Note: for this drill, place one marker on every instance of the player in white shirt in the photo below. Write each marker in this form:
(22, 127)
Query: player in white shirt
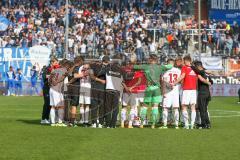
(85, 93)
(171, 94)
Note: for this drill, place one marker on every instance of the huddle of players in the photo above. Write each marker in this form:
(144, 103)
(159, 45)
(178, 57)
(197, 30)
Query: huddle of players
(14, 81)
(67, 85)
(97, 88)
(170, 85)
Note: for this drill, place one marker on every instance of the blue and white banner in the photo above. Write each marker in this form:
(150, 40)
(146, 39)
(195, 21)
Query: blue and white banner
(23, 58)
(4, 23)
(225, 10)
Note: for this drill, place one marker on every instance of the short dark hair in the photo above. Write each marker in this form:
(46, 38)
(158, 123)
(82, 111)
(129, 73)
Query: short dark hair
(178, 58)
(170, 59)
(78, 59)
(53, 59)
(198, 64)
(153, 56)
(63, 61)
(187, 58)
(106, 59)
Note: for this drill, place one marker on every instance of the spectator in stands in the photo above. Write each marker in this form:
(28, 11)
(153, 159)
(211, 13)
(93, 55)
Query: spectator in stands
(204, 41)
(139, 50)
(229, 45)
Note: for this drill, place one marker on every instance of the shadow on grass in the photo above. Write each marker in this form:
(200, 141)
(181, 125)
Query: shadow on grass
(30, 121)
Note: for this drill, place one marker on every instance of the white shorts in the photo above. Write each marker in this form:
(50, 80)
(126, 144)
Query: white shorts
(140, 98)
(180, 94)
(171, 99)
(133, 99)
(85, 98)
(56, 98)
(189, 97)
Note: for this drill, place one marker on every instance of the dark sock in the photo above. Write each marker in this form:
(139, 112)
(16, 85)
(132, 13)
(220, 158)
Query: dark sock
(73, 120)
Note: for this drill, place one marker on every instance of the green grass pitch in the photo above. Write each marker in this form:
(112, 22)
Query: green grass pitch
(23, 138)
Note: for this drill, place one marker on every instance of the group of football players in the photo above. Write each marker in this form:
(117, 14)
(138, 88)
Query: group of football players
(175, 92)
(14, 81)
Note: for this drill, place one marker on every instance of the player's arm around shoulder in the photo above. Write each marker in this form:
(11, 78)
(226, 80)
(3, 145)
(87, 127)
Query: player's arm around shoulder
(77, 73)
(180, 79)
(51, 79)
(204, 80)
(164, 68)
(140, 67)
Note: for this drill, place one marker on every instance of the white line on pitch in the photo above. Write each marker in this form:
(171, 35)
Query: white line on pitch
(229, 116)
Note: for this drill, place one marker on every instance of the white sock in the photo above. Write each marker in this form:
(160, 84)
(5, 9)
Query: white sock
(52, 115)
(165, 117)
(86, 114)
(193, 117)
(132, 114)
(185, 118)
(136, 111)
(176, 117)
(123, 115)
(169, 115)
(60, 115)
(82, 114)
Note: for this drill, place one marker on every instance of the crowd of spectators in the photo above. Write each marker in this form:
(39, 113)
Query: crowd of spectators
(103, 27)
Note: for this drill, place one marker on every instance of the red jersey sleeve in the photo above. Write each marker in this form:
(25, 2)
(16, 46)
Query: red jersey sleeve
(184, 70)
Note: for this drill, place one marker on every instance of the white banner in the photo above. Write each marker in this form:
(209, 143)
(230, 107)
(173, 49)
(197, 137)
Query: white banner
(212, 63)
(39, 55)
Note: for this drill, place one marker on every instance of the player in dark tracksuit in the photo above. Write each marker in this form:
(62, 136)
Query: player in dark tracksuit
(74, 88)
(204, 95)
(98, 93)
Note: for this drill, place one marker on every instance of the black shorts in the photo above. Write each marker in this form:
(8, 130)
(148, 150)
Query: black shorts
(74, 100)
(73, 94)
(97, 96)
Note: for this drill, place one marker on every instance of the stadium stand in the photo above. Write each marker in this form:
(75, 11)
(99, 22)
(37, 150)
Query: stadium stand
(100, 27)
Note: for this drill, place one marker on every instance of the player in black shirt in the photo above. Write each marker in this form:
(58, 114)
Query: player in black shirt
(204, 95)
(98, 92)
(74, 87)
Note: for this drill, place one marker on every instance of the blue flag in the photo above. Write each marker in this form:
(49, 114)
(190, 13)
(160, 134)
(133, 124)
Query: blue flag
(4, 23)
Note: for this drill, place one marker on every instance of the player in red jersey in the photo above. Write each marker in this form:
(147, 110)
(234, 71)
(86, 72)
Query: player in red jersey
(135, 82)
(189, 86)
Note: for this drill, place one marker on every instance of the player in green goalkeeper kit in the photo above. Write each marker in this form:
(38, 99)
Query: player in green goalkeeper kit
(152, 96)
